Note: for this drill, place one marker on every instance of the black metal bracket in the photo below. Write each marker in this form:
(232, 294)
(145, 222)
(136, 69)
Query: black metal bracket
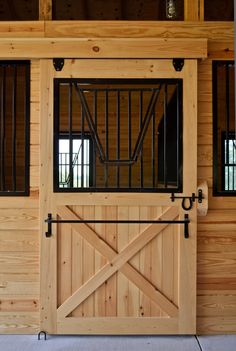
(178, 64)
(50, 220)
(58, 63)
(190, 199)
(43, 333)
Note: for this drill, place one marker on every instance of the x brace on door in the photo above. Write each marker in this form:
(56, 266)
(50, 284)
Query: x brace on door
(117, 261)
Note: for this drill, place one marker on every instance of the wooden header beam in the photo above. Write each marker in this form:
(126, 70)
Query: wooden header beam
(103, 48)
(118, 29)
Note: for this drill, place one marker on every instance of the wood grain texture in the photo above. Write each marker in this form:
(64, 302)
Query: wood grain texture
(21, 29)
(137, 29)
(19, 323)
(191, 10)
(103, 48)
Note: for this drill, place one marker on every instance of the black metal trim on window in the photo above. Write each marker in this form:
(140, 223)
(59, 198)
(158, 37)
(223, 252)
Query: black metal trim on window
(14, 191)
(101, 152)
(218, 148)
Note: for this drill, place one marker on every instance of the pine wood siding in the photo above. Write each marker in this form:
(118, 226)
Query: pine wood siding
(19, 240)
(19, 224)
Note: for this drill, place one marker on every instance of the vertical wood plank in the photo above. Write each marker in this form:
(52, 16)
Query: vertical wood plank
(145, 265)
(168, 262)
(187, 281)
(100, 261)
(88, 265)
(191, 10)
(134, 295)
(48, 247)
(45, 10)
(122, 282)
(64, 262)
(77, 262)
(201, 10)
(156, 263)
(111, 284)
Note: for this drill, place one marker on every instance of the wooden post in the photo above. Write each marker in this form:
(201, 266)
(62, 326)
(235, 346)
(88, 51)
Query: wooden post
(191, 10)
(45, 10)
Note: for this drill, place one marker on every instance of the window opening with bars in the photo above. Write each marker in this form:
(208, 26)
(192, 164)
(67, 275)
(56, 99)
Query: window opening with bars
(118, 135)
(14, 127)
(224, 129)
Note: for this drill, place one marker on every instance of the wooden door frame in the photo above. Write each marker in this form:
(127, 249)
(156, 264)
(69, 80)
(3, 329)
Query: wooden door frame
(117, 68)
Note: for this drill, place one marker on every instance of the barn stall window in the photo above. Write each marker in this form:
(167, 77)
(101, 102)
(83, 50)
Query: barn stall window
(224, 129)
(118, 135)
(14, 127)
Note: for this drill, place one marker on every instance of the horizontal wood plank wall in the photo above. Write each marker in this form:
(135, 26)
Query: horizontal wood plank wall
(19, 249)
(216, 300)
(19, 241)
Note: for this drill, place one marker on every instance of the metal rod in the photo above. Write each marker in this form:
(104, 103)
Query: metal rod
(153, 148)
(14, 128)
(95, 101)
(90, 121)
(177, 137)
(70, 137)
(82, 147)
(227, 112)
(132, 221)
(3, 108)
(129, 137)
(107, 137)
(165, 137)
(140, 127)
(145, 124)
(118, 138)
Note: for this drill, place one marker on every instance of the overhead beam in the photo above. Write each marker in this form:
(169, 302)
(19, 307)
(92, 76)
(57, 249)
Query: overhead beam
(118, 29)
(102, 48)
(139, 29)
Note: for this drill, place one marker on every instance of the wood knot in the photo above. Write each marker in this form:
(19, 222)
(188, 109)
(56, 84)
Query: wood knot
(96, 48)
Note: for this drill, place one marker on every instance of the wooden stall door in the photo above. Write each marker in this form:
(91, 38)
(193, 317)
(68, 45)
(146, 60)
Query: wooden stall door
(113, 278)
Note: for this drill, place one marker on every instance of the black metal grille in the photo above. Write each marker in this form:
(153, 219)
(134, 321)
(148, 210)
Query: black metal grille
(129, 132)
(14, 127)
(224, 128)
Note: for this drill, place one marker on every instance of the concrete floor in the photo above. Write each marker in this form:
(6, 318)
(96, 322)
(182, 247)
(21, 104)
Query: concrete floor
(117, 343)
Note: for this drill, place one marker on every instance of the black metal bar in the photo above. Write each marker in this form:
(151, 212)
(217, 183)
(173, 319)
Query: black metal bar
(227, 112)
(177, 137)
(153, 149)
(145, 123)
(82, 146)
(90, 121)
(140, 127)
(129, 137)
(101, 221)
(70, 136)
(165, 137)
(14, 128)
(187, 221)
(3, 110)
(95, 106)
(107, 137)
(50, 221)
(118, 138)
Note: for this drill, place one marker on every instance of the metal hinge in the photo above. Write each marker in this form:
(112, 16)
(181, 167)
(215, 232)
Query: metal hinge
(58, 63)
(178, 64)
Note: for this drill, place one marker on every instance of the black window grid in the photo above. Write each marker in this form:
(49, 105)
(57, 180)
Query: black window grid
(224, 130)
(10, 172)
(100, 151)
